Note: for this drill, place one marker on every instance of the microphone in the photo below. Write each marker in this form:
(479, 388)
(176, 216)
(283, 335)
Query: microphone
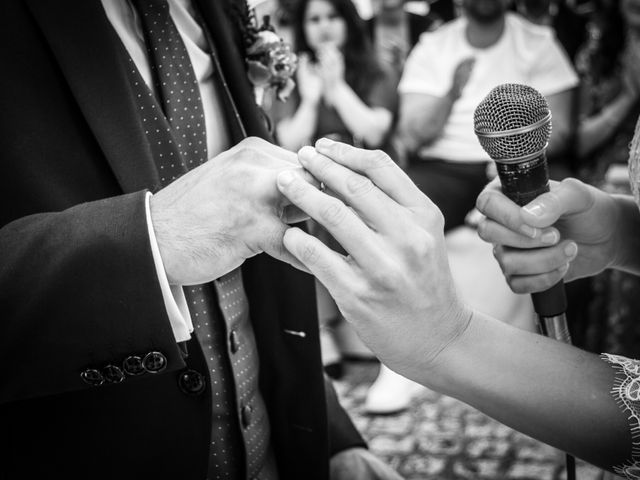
(513, 125)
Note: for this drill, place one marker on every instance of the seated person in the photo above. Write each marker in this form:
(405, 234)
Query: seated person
(446, 76)
(342, 90)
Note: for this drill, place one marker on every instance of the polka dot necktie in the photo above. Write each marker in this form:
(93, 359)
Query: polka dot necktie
(175, 128)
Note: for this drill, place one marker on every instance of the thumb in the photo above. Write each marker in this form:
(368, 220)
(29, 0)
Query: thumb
(568, 197)
(272, 244)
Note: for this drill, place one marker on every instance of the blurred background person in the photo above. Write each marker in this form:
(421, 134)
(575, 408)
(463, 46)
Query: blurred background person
(343, 91)
(567, 20)
(449, 72)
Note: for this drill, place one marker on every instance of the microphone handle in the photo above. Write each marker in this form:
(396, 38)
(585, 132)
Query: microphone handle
(522, 181)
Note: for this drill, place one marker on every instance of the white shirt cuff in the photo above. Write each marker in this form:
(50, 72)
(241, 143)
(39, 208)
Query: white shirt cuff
(174, 300)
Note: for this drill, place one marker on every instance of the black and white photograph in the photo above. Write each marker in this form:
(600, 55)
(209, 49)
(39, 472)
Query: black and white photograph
(320, 239)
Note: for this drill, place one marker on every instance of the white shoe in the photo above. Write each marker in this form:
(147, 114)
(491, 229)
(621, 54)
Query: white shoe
(390, 393)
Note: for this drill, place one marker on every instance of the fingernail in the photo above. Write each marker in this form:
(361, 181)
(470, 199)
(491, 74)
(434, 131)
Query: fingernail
(528, 230)
(563, 269)
(549, 238)
(324, 143)
(535, 209)
(286, 177)
(571, 250)
(305, 153)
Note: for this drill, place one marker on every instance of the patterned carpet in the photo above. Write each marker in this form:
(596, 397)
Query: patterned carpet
(441, 438)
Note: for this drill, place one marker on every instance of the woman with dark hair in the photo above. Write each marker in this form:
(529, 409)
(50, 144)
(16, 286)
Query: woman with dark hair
(343, 91)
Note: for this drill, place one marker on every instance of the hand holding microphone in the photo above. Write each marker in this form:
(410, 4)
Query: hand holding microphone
(513, 125)
(569, 232)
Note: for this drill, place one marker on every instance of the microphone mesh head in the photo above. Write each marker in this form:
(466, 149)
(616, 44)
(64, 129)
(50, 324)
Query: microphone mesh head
(508, 107)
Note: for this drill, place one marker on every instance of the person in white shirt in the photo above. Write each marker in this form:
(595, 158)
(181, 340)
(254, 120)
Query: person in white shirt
(446, 76)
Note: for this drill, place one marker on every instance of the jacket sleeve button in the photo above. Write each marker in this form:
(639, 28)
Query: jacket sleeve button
(191, 382)
(113, 374)
(132, 365)
(92, 377)
(154, 362)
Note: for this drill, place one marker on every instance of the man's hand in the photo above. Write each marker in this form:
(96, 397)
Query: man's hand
(567, 233)
(360, 464)
(394, 286)
(217, 215)
(461, 76)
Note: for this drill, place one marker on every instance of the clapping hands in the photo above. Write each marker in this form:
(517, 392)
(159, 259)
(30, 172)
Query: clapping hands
(331, 69)
(309, 80)
(319, 80)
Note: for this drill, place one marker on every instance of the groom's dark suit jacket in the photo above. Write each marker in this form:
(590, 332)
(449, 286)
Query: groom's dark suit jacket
(78, 288)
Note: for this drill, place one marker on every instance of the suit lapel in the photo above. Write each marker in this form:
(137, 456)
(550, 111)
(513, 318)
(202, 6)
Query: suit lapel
(90, 56)
(231, 59)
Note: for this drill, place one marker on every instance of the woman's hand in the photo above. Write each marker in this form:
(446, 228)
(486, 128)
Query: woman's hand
(569, 232)
(394, 285)
(309, 80)
(331, 67)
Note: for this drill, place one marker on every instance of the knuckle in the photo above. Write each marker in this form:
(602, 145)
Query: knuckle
(309, 254)
(498, 255)
(333, 213)
(557, 260)
(358, 185)
(421, 252)
(246, 152)
(338, 149)
(387, 278)
(324, 166)
(571, 182)
(297, 189)
(295, 192)
(273, 239)
(508, 269)
(579, 190)
(435, 219)
(483, 200)
(541, 283)
(378, 159)
(517, 286)
(252, 142)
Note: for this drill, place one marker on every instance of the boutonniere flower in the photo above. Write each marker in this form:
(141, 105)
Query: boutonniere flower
(270, 61)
